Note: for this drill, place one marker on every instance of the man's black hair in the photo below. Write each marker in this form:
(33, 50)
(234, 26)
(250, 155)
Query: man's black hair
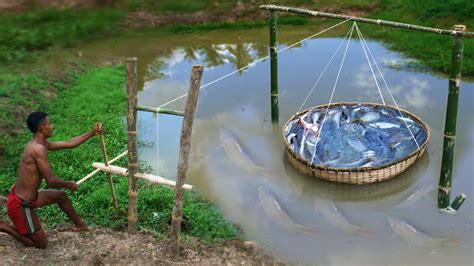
(34, 120)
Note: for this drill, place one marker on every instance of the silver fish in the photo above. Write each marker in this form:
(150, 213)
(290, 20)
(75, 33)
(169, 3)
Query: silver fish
(331, 214)
(384, 125)
(410, 235)
(273, 210)
(356, 144)
(337, 118)
(237, 156)
(416, 196)
(406, 119)
(370, 116)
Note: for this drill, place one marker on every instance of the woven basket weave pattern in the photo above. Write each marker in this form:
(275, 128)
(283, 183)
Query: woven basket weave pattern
(359, 175)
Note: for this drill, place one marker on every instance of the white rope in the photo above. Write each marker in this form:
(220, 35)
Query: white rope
(386, 85)
(370, 65)
(256, 61)
(323, 72)
(332, 93)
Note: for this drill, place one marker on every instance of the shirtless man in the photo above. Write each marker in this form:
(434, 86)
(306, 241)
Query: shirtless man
(25, 197)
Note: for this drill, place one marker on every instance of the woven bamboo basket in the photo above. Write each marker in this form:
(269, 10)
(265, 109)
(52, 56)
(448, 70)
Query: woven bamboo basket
(358, 175)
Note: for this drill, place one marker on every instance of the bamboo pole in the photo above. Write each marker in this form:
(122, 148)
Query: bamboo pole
(444, 188)
(159, 110)
(458, 201)
(274, 67)
(93, 173)
(307, 12)
(120, 171)
(106, 162)
(185, 145)
(131, 74)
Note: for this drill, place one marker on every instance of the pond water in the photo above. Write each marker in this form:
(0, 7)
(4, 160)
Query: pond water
(352, 222)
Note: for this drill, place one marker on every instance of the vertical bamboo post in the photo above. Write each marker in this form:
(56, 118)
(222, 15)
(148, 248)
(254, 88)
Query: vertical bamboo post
(106, 162)
(185, 144)
(131, 72)
(274, 67)
(444, 188)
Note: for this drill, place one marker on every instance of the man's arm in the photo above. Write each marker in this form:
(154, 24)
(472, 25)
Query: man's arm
(41, 158)
(76, 141)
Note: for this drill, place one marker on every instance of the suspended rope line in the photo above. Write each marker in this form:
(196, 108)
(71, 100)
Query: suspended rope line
(370, 65)
(255, 62)
(364, 43)
(324, 71)
(332, 93)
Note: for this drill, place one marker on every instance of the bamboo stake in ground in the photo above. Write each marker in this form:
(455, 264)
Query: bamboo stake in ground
(131, 74)
(106, 162)
(274, 67)
(444, 189)
(185, 145)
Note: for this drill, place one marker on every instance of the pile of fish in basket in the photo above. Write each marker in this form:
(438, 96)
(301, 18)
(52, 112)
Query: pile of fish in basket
(357, 143)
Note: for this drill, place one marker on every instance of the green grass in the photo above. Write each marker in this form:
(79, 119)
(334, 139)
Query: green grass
(99, 95)
(433, 50)
(286, 20)
(22, 35)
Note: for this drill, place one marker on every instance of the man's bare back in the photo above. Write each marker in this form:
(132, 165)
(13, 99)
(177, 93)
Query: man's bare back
(25, 197)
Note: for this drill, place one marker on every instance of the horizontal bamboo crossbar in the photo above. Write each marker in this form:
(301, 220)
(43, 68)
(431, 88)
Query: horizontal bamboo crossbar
(307, 12)
(149, 177)
(93, 173)
(159, 110)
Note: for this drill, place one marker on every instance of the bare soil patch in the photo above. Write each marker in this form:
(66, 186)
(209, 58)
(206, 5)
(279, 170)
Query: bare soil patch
(106, 246)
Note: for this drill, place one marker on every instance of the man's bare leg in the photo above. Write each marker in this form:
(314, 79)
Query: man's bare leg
(6, 228)
(50, 196)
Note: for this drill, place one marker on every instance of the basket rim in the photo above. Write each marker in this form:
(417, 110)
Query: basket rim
(314, 166)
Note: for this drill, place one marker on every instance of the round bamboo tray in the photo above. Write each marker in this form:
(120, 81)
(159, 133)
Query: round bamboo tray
(357, 175)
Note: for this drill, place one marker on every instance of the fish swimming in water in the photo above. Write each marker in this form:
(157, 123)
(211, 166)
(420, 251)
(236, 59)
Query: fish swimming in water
(414, 237)
(236, 155)
(328, 209)
(272, 209)
(422, 191)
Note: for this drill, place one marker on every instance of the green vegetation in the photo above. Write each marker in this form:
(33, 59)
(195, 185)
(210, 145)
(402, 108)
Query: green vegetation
(433, 50)
(99, 95)
(26, 33)
(286, 20)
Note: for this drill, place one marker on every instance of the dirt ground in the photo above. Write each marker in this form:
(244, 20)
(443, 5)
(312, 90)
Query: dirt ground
(101, 246)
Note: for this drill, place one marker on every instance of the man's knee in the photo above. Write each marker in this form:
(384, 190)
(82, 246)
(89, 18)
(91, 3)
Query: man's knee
(39, 239)
(62, 197)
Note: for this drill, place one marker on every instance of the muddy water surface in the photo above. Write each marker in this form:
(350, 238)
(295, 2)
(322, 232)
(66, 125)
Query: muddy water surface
(351, 221)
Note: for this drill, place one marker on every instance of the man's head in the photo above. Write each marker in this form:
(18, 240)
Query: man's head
(39, 122)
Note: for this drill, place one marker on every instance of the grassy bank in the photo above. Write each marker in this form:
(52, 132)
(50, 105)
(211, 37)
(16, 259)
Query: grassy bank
(99, 95)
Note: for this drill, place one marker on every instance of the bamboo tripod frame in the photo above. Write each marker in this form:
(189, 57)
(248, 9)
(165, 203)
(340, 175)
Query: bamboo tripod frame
(458, 33)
